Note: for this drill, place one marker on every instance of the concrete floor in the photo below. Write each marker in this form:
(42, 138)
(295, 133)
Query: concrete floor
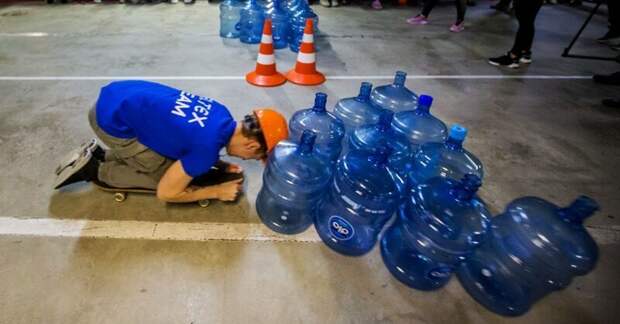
(550, 138)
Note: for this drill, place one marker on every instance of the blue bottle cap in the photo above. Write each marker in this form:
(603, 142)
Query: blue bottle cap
(425, 101)
(458, 132)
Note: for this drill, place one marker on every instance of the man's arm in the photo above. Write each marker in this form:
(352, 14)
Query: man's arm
(174, 187)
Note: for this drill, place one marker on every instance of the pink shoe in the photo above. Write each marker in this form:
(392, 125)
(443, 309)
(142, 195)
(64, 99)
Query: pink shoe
(457, 28)
(376, 4)
(417, 20)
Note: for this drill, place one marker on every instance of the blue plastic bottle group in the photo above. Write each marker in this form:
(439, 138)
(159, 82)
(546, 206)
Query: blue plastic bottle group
(506, 263)
(533, 249)
(357, 111)
(251, 23)
(293, 183)
(298, 24)
(280, 23)
(372, 137)
(448, 159)
(328, 128)
(363, 196)
(395, 97)
(439, 225)
(419, 126)
(230, 16)
(244, 20)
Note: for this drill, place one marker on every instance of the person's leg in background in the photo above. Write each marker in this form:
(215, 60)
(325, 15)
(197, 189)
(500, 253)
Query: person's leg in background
(502, 5)
(461, 8)
(422, 18)
(612, 37)
(526, 12)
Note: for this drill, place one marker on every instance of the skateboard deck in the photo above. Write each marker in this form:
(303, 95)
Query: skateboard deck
(120, 194)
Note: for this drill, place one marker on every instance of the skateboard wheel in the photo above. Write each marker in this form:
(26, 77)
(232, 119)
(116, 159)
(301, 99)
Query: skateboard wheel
(204, 203)
(120, 196)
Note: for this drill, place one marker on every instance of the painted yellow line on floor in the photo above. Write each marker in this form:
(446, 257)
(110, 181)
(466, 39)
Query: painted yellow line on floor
(332, 77)
(162, 231)
(144, 230)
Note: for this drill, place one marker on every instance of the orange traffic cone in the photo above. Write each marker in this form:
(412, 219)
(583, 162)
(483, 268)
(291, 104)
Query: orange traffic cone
(305, 72)
(265, 74)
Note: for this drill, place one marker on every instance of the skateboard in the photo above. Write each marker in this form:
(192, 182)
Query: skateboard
(120, 194)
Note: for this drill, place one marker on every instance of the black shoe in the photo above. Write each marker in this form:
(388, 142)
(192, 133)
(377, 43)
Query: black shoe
(99, 153)
(610, 36)
(609, 79)
(85, 168)
(505, 61)
(611, 102)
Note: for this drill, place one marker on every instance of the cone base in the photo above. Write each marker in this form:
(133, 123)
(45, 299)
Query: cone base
(305, 79)
(273, 80)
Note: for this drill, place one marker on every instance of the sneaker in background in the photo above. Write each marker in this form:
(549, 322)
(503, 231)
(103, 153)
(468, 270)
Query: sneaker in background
(526, 58)
(418, 20)
(457, 27)
(505, 61)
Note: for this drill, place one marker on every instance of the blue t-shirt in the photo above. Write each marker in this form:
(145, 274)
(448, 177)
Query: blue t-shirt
(171, 122)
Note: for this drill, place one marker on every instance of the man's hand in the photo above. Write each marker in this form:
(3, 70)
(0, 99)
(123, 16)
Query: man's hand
(175, 186)
(228, 191)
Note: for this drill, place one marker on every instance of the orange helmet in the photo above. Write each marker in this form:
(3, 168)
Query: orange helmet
(273, 126)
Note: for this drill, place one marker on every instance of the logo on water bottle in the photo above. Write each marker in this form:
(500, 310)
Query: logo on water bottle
(341, 228)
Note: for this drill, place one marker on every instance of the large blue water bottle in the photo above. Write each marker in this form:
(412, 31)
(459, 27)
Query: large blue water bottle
(267, 5)
(290, 6)
(230, 15)
(298, 24)
(328, 128)
(363, 196)
(395, 96)
(448, 159)
(280, 23)
(419, 126)
(439, 225)
(533, 249)
(372, 137)
(251, 24)
(293, 183)
(357, 111)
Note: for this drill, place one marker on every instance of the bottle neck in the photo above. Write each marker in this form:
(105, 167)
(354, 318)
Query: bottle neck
(423, 110)
(320, 101)
(364, 95)
(399, 79)
(454, 144)
(306, 143)
(467, 188)
(582, 208)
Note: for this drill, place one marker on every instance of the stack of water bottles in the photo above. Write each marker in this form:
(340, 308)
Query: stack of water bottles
(382, 168)
(244, 19)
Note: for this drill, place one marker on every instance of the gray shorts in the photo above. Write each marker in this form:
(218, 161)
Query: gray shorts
(128, 163)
